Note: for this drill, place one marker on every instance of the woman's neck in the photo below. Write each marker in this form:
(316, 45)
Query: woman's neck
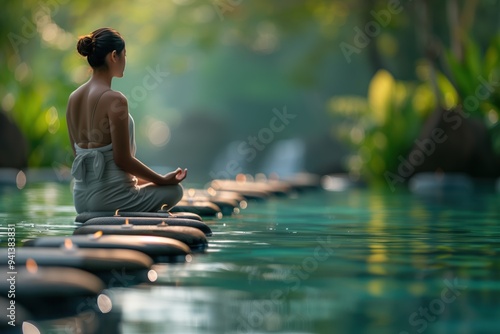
(102, 76)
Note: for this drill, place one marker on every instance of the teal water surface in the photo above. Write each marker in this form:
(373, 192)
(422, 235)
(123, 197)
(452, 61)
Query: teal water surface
(357, 261)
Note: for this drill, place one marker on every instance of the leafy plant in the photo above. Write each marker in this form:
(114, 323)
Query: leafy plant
(382, 126)
(476, 79)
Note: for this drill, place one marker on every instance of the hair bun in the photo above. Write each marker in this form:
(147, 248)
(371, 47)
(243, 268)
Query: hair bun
(85, 46)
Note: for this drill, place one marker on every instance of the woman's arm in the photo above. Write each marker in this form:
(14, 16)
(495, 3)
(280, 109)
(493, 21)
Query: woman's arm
(119, 127)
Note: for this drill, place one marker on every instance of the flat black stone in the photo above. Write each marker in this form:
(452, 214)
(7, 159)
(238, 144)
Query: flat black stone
(193, 237)
(51, 292)
(119, 220)
(202, 208)
(84, 216)
(160, 249)
(116, 267)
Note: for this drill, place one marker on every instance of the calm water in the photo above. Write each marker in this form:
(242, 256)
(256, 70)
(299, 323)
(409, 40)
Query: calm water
(359, 261)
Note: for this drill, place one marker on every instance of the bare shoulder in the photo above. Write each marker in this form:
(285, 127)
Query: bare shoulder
(117, 102)
(74, 94)
(74, 98)
(77, 96)
(114, 96)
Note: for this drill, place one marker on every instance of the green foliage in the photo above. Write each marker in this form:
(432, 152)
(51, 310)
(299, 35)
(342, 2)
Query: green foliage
(470, 73)
(476, 78)
(240, 57)
(382, 126)
(42, 66)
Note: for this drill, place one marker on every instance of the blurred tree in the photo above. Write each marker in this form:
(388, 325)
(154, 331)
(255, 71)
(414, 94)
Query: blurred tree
(234, 59)
(451, 71)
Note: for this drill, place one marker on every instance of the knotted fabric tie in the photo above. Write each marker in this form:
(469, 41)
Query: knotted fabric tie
(78, 169)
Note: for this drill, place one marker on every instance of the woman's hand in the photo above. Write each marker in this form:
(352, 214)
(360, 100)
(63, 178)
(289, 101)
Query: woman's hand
(175, 177)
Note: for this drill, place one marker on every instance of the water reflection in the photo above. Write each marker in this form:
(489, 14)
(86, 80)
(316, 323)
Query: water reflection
(357, 261)
(36, 210)
(209, 310)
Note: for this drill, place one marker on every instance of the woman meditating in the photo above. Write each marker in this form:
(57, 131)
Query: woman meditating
(107, 174)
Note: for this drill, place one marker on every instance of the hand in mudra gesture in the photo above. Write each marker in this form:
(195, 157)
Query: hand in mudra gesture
(176, 176)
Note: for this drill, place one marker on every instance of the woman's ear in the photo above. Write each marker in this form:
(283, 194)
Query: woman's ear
(114, 56)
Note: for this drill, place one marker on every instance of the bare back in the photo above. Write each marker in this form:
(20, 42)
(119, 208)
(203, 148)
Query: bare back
(87, 116)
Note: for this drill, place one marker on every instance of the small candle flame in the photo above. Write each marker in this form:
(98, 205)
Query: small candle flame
(31, 266)
(241, 178)
(97, 235)
(211, 191)
(191, 192)
(260, 177)
(68, 244)
(116, 212)
(127, 224)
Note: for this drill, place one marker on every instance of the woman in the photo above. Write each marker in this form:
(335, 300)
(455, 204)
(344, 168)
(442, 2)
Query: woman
(107, 174)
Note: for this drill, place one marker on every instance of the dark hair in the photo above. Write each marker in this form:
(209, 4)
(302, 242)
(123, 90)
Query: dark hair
(98, 44)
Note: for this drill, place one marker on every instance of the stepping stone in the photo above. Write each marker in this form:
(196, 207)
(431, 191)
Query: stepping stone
(47, 292)
(440, 183)
(226, 206)
(116, 267)
(12, 315)
(118, 220)
(160, 249)
(203, 208)
(272, 186)
(246, 189)
(193, 237)
(84, 216)
(228, 202)
(304, 181)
